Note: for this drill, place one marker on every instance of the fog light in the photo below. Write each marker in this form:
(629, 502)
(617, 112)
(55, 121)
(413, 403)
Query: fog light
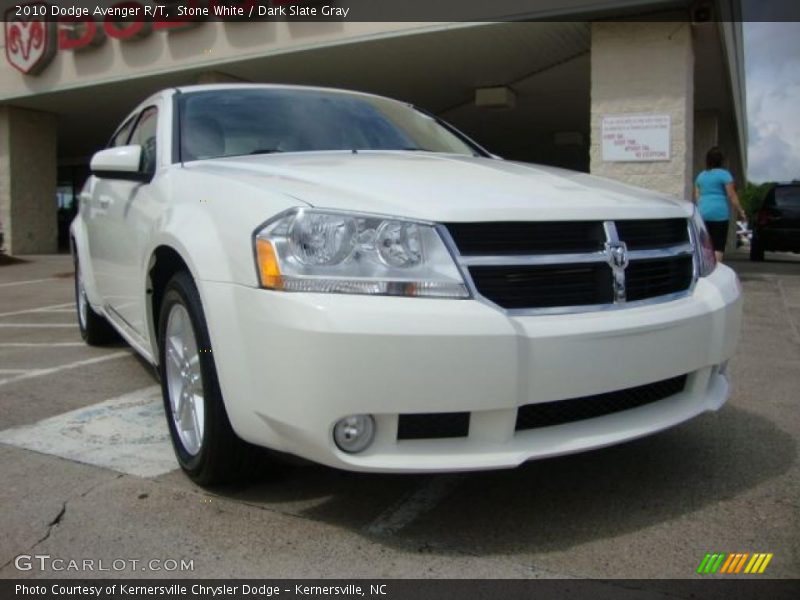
(355, 433)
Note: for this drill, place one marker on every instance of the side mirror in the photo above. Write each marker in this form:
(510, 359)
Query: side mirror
(122, 162)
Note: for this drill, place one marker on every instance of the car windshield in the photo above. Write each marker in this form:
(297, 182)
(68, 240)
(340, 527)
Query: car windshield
(235, 122)
(787, 197)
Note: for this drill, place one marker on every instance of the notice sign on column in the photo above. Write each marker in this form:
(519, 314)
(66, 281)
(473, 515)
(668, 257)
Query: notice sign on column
(636, 138)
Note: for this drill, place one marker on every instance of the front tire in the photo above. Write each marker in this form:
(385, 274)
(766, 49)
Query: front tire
(94, 328)
(756, 250)
(206, 447)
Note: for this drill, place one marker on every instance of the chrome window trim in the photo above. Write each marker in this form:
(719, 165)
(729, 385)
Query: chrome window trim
(464, 262)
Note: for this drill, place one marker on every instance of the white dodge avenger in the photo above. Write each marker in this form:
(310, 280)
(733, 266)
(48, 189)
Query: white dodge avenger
(348, 279)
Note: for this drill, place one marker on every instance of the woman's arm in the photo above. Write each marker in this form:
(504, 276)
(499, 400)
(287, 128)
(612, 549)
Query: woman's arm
(696, 194)
(733, 197)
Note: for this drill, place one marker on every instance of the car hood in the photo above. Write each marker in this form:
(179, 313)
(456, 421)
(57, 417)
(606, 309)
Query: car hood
(442, 187)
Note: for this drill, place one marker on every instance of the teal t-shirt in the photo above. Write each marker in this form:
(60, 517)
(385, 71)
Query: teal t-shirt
(713, 198)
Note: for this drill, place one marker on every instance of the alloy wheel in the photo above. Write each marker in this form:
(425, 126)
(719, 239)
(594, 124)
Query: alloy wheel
(184, 380)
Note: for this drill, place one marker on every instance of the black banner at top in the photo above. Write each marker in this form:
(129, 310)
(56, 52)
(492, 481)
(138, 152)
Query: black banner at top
(179, 11)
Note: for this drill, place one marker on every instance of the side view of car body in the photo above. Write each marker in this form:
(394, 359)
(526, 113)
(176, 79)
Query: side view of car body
(777, 227)
(342, 277)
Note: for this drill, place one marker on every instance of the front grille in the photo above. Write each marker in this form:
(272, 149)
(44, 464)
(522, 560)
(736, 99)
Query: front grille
(524, 237)
(653, 233)
(566, 265)
(542, 286)
(433, 425)
(547, 414)
(651, 278)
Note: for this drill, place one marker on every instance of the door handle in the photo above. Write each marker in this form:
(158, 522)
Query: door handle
(104, 202)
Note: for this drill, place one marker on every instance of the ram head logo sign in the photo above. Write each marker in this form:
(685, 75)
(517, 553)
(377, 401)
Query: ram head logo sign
(30, 40)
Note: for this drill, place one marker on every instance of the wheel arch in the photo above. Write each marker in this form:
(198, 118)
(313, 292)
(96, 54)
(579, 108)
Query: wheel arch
(79, 248)
(165, 261)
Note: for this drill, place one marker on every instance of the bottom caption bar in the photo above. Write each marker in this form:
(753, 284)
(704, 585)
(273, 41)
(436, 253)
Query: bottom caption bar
(417, 589)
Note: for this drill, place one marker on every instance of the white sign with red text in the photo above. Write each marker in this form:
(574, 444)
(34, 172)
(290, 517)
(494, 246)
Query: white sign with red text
(636, 138)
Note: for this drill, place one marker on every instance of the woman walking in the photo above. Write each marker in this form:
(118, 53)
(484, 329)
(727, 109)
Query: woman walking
(715, 193)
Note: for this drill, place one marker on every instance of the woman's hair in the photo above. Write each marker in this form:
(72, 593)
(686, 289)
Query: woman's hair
(714, 158)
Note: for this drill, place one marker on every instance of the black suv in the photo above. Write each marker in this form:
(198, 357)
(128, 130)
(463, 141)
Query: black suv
(777, 226)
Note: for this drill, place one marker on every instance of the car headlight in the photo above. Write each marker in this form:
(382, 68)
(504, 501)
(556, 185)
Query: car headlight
(706, 259)
(311, 250)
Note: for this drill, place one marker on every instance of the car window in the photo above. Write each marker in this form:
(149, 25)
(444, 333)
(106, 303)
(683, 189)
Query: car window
(120, 138)
(236, 122)
(145, 135)
(787, 197)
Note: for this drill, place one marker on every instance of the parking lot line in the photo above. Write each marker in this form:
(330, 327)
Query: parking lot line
(36, 325)
(74, 365)
(41, 344)
(788, 311)
(414, 504)
(127, 434)
(43, 309)
(29, 281)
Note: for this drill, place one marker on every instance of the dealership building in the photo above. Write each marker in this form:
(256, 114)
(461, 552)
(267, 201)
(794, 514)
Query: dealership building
(636, 92)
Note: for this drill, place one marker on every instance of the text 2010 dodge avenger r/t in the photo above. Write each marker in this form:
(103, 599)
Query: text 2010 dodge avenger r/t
(345, 278)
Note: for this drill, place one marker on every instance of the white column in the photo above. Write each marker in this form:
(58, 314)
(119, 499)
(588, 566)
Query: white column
(28, 180)
(706, 135)
(645, 68)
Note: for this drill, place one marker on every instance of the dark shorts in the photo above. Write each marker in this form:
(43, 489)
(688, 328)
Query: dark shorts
(718, 230)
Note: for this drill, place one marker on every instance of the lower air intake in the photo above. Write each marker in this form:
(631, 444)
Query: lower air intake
(547, 414)
(433, 425)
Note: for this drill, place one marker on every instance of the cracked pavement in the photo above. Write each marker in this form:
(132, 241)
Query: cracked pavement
(727, 481)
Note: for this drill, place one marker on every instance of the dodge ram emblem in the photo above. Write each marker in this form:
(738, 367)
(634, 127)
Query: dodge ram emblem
(30, 38)
(617, 255)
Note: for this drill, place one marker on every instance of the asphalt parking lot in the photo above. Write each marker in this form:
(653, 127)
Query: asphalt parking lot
(88, 473)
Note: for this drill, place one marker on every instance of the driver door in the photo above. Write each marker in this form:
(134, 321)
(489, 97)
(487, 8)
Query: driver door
(132, 218)
(102, 233)
(124, 204)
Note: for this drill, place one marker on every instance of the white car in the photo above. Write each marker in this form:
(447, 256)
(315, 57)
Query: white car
(344, 278)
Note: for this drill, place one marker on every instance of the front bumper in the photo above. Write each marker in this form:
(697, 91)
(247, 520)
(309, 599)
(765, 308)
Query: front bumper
(291, 365)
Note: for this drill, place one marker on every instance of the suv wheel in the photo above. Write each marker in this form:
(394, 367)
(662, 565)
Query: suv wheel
(205, 444)
(756, 250)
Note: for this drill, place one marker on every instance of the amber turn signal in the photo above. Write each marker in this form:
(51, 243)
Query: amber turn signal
(268, 268)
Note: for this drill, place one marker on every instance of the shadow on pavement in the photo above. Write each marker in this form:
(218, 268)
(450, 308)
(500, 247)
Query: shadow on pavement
(550, 504)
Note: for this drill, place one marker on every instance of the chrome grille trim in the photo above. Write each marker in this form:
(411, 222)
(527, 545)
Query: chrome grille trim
(559, 259)
(534, 259)
(618, 285)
